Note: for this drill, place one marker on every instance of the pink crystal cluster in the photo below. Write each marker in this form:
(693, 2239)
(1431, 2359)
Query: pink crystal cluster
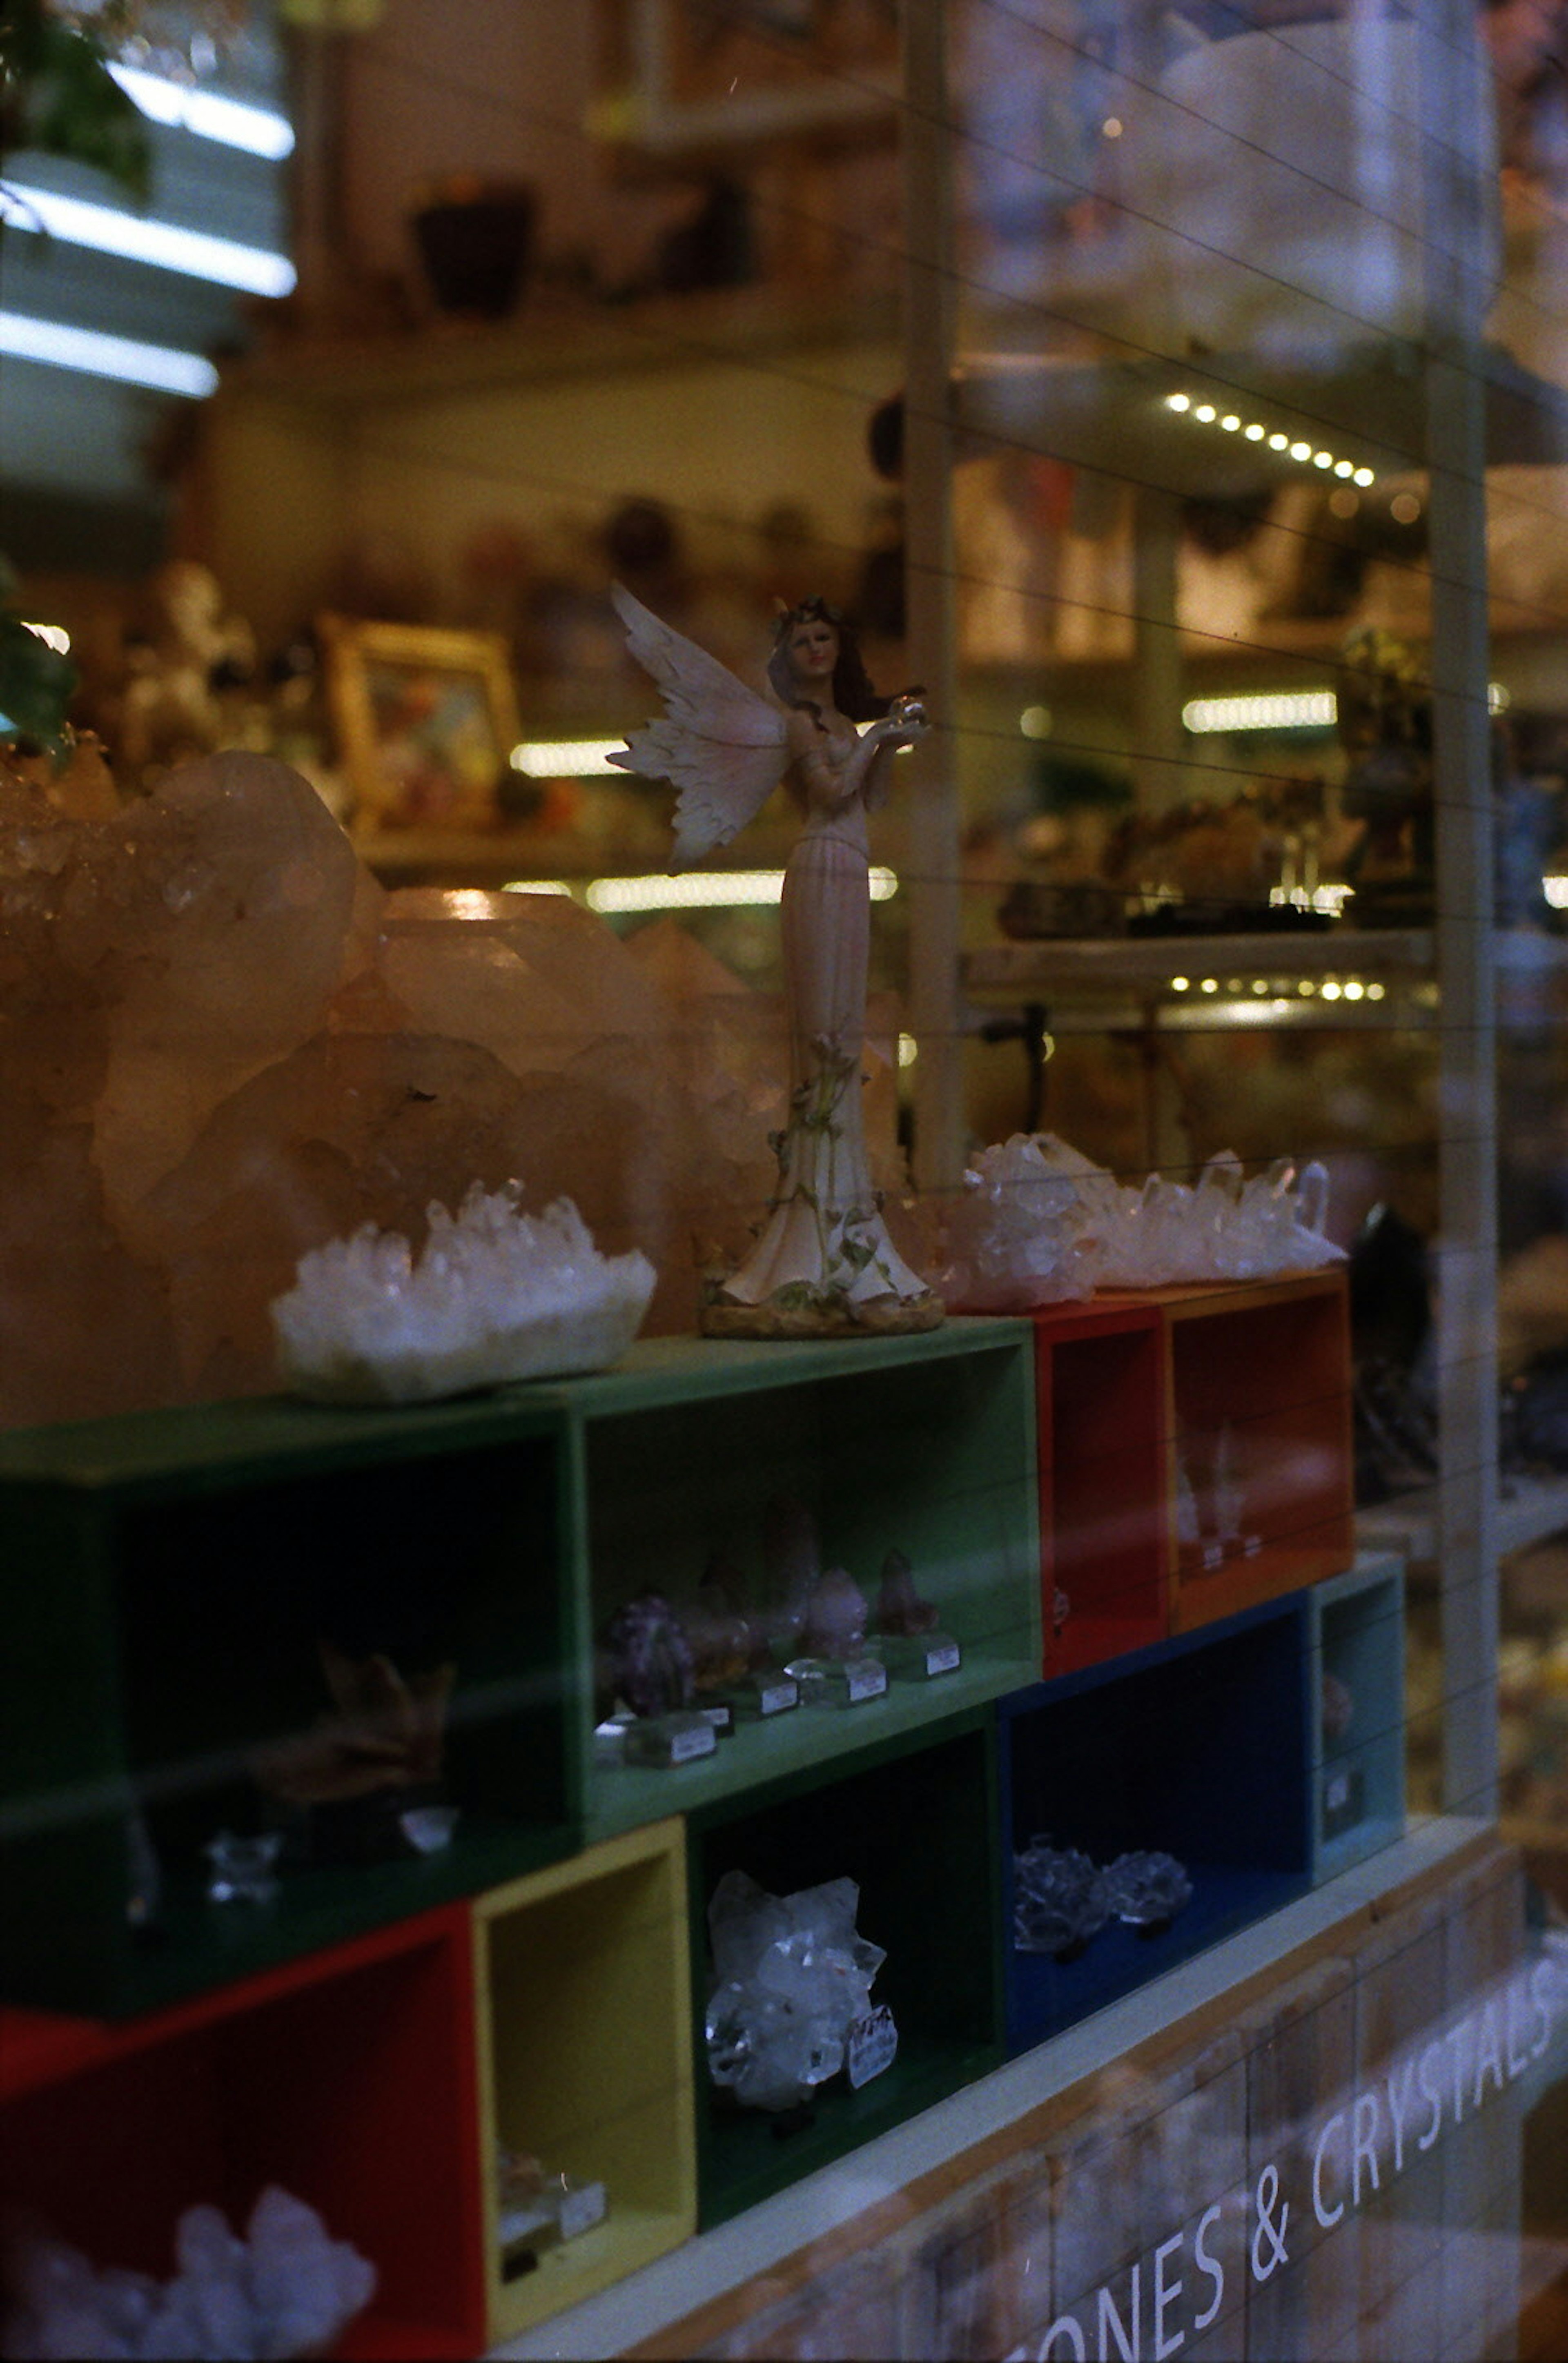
(226, 1044)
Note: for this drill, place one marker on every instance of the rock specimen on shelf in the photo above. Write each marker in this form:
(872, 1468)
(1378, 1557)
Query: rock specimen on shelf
(1018, 1237)
(1038, 1223)
(900, 1611)
(725, 1643)
(1059, 1899)
(791, 1977)
(1147, 1891)
(494, 1295)
(836, 1616)
(645, 1659)
(792, 1563)
(285, 2289)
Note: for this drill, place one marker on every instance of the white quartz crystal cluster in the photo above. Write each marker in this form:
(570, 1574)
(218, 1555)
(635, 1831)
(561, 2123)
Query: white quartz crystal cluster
(1038, 1223)
(791, 1977)
(494, 1295)
(285, 2289)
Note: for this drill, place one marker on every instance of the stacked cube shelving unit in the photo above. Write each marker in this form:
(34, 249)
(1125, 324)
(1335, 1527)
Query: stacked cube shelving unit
(171, 1577)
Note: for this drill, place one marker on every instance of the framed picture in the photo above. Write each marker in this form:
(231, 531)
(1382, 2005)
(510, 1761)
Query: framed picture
(679, 75)
(426, 720)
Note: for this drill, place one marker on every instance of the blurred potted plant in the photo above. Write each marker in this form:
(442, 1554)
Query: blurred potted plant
(57, 94)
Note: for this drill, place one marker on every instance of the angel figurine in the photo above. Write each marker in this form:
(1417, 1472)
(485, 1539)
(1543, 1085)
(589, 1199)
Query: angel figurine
(823, 1264)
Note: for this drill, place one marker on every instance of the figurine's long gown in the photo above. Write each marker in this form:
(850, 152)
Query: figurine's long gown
(824, 1231)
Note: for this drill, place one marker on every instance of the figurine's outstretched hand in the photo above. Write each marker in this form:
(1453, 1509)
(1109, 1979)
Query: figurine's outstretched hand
(905, 723)
(721, 745)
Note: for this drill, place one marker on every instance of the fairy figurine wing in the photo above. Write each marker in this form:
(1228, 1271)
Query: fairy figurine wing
(721, 747)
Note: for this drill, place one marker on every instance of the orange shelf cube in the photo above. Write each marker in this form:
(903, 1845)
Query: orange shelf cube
(1258, 1396)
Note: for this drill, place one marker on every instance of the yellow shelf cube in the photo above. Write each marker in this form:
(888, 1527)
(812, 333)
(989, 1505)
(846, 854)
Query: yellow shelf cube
(582, 2018)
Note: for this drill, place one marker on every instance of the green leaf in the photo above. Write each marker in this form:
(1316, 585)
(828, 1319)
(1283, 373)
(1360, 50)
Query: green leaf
(36, 688)
(57, 95)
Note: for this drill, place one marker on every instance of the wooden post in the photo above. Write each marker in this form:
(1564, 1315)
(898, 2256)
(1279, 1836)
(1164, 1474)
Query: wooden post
(933, 834)
(1467, 1244)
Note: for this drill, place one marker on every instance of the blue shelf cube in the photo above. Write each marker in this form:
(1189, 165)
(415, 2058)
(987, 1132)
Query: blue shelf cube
(1197, 1746)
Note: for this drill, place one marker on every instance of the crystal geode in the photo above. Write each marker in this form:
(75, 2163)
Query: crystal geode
(496, 1295)
(791, 1977)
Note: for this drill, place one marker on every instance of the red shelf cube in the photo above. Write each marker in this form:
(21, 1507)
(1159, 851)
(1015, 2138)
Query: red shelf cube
(348, 2078)
(1105, 1519)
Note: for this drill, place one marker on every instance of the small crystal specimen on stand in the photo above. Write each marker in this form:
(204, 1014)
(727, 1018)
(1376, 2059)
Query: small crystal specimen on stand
(535, 2209)
(909, 1634)
(1337, 1707)
(899, 1608)
(791, 1562)
(834, 1668)
(362, 1783)
(791, 1980)
(646, 1658)
(244, 1870)
(1059, 1901)
(836, 1617)
(724, 1644)
(496, 1295)
(283, 2289)
(1147, 1891)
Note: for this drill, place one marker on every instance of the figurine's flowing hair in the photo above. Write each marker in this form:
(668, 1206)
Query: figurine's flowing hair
(853, 693)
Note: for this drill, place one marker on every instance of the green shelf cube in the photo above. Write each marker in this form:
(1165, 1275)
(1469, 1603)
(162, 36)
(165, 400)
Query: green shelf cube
(167, 1581)
(915, 1822)
(923, 1444)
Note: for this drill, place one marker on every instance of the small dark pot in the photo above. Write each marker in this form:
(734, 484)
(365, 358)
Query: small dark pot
(476, 251)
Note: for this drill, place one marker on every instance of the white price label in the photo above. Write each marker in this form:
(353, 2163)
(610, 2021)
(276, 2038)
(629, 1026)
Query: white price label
(867, 1679)
(873, 2046)
(777, 1698)
(943, 1659)
(1213, 1557)
(697, 1740)
(721, 1717)
(1336, 1794)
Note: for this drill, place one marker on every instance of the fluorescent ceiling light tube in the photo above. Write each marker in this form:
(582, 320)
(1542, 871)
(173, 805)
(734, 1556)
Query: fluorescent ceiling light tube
(59, 347)
(1312, 709)
(232, 122)
(108, 230)
(706, 890)
(565, 758)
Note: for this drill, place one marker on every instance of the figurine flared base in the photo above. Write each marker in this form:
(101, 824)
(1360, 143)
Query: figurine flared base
(876, 1317)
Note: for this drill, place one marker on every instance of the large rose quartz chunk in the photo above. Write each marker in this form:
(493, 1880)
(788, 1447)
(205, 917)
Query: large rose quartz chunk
(224, 1046)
